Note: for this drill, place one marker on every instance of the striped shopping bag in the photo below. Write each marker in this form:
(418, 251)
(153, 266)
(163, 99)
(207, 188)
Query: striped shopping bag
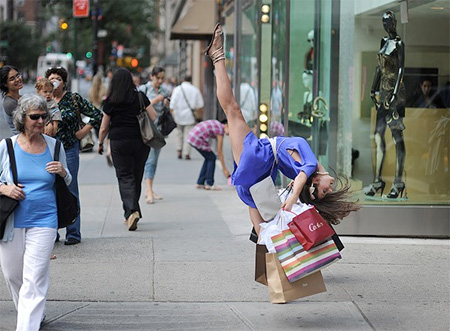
(298, 262)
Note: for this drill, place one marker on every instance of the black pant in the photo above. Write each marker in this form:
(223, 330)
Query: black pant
(129, 158)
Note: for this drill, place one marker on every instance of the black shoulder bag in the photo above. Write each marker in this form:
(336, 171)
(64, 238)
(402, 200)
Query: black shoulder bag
(7, 204)
(66, 202)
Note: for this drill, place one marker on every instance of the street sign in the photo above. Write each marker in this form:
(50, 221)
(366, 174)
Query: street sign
(80, 8)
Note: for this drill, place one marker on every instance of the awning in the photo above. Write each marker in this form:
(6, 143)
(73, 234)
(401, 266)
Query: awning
(198, 22)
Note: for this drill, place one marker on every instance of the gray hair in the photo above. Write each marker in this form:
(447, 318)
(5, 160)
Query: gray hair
(26, 103)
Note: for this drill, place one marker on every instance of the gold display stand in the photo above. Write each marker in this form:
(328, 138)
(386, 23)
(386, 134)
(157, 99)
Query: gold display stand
(427, 140)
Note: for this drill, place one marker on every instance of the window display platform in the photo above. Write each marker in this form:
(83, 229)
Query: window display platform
(398, 221)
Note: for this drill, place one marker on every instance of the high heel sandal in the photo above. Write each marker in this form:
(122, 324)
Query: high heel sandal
(396, 190)
(374, 187)
(215, 52)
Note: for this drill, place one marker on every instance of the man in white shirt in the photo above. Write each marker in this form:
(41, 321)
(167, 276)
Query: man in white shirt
(185, 99)
(248, 103)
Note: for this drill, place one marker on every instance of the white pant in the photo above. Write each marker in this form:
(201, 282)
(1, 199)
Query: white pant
(182, 134)
(26, 266)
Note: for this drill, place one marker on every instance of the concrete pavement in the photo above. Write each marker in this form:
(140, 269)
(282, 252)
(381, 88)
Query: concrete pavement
(189, 266)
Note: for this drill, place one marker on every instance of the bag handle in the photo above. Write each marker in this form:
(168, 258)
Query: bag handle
(57, 150)
(141, 101)
(12, 159)
(75, 102)
(184, 95)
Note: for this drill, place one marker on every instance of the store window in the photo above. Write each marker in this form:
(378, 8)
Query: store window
(402, 131)
(247, 71)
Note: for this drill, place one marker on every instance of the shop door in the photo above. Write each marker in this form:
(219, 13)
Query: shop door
(325, 85)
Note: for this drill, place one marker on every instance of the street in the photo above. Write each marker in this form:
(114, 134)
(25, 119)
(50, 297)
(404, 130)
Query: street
(190, 266)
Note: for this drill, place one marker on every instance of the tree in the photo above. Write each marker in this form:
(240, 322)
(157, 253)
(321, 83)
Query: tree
(13, 48)
(130, 23)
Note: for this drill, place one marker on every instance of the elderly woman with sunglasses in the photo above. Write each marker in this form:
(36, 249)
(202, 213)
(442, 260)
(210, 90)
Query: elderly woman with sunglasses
(10, 85)
(31, 230)
(69, 133)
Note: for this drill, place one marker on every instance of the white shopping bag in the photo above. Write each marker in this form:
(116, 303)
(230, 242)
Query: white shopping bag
(279, 224)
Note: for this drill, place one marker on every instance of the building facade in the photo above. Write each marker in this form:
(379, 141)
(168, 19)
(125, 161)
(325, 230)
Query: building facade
(313, 64)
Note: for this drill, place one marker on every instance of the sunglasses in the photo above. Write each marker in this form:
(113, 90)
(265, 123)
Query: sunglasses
(35, 117)
(13, 78)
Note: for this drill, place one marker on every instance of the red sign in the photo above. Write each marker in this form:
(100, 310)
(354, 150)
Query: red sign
(80, 8)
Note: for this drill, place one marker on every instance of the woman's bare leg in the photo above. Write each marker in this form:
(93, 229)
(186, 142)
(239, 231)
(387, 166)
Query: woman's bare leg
(256, 219)
(237, 126)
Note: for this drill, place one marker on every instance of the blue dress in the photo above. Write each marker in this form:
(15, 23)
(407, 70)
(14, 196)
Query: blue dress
(257, 160)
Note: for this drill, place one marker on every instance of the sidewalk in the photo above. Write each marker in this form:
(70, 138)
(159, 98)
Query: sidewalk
(189, 266)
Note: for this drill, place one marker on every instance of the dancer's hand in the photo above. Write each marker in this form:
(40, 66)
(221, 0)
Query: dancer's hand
(287, 205)
(226, 173)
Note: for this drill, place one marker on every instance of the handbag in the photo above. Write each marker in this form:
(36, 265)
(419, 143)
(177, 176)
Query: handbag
(198, 113)
(264, 193)
(166, 123)
(66, 202)
(86, 143)
(298, 262)
(310, 228)
(281, 290)
(149, 133)
(7, 204)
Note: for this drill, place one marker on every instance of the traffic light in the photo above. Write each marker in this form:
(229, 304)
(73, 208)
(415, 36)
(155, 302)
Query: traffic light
(263, 120)
(88, 55)
(134, 62)
(63, 25)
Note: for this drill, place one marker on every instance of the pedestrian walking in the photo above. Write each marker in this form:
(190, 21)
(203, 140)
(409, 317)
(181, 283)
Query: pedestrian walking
(69, 133)
(11, 83)
(200, 138)
(185, 99)
(97, 95)
(159, 98)
(31, 229)
(255, 158)
(128, 152)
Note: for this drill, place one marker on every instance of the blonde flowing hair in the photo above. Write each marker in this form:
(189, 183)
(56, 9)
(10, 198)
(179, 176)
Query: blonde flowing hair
(97, 92)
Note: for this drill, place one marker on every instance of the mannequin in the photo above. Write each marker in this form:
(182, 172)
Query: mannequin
(388, 81)
(309, 56)
(305, 115)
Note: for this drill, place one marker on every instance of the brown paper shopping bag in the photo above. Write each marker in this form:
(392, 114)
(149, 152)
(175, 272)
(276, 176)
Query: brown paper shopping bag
(282, 291)
(260, 264)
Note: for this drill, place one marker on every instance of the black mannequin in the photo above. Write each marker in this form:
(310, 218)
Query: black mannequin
(390, 107)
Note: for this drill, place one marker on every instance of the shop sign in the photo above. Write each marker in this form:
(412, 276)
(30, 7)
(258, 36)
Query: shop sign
(80, 8)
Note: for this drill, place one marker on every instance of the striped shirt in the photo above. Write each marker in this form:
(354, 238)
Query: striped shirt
(200, 135)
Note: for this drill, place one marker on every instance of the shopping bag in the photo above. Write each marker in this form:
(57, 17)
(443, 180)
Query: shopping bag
(260, 264)
(298, 262)
(310, 228)
(281, 290)
(265, 196)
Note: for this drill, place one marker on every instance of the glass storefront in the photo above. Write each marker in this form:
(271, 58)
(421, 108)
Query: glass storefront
(405, 162)
(423, 139)
(320, 60)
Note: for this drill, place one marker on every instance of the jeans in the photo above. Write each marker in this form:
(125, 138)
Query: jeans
(129, 158)
(73, 163)
(151, 163)
(26, 267)
(206, 176)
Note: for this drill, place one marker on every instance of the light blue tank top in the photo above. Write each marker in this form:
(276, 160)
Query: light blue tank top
(38, 209)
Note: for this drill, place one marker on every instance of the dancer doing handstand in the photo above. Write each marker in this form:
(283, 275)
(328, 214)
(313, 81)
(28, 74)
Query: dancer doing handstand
(254, 158)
